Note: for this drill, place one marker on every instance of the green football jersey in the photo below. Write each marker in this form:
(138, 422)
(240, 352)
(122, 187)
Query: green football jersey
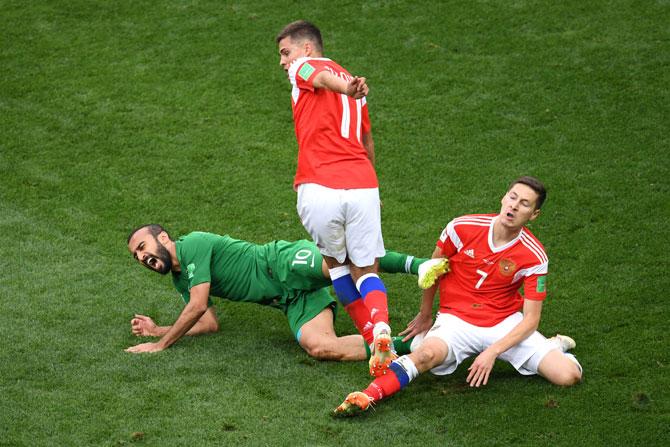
(236, 270)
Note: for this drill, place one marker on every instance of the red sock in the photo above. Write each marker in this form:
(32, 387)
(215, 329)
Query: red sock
(383, 386)
(360, 315)
(377, 303)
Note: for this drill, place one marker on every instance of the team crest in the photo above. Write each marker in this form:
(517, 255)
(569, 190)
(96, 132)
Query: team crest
(507, 267)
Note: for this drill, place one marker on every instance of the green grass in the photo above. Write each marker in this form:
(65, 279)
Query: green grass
(114, 114)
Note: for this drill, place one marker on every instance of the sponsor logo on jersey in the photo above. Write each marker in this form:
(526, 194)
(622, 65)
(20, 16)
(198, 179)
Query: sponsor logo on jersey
(190, 269)
(507, 267)
(470, 252)
(541, 284)
(487, 262)
(306, 71)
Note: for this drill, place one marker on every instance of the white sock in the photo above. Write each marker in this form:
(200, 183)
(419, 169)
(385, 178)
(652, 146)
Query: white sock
(381, 327)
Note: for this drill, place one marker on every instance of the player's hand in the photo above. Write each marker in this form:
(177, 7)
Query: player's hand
(145, 347)
(143, 326)
(421, 323)
(481, 368)
(357, 88)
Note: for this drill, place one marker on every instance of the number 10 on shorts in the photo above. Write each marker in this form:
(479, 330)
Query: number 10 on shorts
(303, 257)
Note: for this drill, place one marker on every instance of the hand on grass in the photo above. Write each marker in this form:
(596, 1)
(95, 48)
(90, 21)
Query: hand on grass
(143, 326)
(481, 368)
(145, 347)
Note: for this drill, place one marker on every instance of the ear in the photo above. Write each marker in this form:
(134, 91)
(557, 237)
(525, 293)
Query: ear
(163, 237)
(535, 214)
(308, 48)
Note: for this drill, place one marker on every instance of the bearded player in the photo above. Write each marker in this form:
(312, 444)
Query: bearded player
(481, 311)
(290, 276)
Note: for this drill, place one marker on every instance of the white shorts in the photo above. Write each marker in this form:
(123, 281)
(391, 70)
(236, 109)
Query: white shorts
(465, 340)
(343, 222)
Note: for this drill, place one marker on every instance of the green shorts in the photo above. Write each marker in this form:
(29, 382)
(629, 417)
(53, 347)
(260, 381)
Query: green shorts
(297, 267)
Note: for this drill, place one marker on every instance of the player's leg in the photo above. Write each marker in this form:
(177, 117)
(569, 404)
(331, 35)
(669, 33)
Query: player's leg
(364, 244)
(539, 355)
(431, 353)
(349, 296)
(395, 262)
(374, 295)
(323, 216)
(317, 337)
(560, 368)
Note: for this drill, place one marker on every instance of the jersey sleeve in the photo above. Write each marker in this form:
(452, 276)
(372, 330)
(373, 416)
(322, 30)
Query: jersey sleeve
(449, 242)
(196, 260)
(535, 287)
(304, 73)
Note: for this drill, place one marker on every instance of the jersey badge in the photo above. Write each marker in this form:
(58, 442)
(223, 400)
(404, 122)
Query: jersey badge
(190, 269)
(306, 71)
(507, 267)
(541, 284)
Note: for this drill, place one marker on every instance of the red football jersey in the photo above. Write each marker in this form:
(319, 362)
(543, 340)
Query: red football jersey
(482, 286)
(329, 127)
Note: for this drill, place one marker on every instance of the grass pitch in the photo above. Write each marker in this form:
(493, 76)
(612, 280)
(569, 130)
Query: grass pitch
(114, 114)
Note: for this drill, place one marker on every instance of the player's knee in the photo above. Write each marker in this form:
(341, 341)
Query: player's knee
(318, 350)
(568, 376)
(427, 357)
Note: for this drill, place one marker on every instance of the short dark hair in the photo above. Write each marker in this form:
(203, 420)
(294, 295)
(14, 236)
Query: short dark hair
(535, 185)
(154, 230)
(302, 29)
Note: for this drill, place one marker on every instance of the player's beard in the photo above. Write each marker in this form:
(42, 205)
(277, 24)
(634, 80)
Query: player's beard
(165, 258)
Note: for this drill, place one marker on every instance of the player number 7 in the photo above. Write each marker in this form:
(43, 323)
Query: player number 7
(481, 280)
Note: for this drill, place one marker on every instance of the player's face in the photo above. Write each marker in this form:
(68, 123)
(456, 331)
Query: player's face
(149, 252)
(518, 206)
(290, 50)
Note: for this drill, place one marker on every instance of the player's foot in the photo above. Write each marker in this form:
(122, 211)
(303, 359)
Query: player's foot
(564, 342)
(355, 403)
(430, 270)
(382, 354)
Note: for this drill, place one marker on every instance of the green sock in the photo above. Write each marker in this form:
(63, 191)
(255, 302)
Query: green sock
(368, 353)
(394, 262)
(402, 347)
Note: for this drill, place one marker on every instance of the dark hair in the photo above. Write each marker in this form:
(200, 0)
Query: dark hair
(154, 230)
(302, 29)
(535, 185)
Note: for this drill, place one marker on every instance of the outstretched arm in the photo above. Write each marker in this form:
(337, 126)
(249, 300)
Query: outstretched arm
(193, 311)
(483, 364)
(144, 326)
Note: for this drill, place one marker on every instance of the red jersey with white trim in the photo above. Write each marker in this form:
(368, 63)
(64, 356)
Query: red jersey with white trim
(482, 286)
(329, 127)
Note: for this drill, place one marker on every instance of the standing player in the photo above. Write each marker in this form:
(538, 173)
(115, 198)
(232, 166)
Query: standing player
(481, 310)
(290, 276)
(338, 195)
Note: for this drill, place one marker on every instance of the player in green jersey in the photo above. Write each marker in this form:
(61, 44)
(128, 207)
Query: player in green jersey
(291, 276)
